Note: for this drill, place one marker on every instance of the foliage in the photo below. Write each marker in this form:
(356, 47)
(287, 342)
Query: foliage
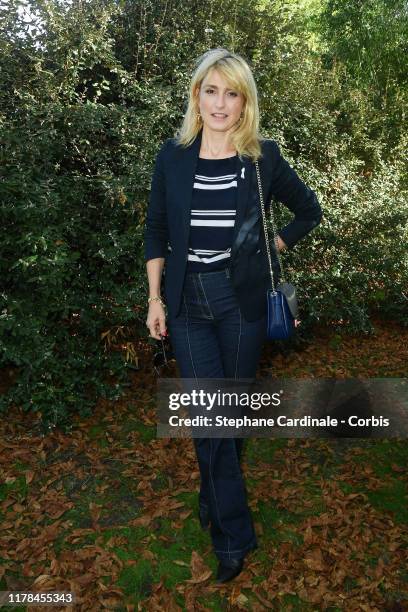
(369, 40)
(89, 91)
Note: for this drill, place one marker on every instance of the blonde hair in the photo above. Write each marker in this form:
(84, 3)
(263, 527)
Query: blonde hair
(246, 137)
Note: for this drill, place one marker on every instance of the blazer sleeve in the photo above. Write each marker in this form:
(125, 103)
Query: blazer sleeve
(289, 189)
(156, 230)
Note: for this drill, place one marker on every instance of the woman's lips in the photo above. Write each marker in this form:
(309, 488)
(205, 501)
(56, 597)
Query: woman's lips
(219, 118)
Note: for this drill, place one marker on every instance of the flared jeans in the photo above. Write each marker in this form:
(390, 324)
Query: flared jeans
(211, 339)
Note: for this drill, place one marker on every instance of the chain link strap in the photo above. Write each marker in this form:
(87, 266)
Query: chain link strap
(275, 234)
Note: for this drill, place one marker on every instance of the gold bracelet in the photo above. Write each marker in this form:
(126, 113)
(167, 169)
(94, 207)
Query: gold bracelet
(155, 299)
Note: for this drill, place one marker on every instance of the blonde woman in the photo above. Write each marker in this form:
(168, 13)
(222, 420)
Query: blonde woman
(204, 225)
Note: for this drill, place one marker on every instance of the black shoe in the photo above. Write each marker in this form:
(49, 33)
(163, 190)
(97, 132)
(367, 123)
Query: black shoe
(204, 517)
(228, 569)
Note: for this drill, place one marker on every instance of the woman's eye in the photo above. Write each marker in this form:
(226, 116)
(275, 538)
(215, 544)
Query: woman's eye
(233, 93)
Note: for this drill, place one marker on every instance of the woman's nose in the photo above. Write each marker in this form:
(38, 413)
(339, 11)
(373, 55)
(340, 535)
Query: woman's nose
(220, 102)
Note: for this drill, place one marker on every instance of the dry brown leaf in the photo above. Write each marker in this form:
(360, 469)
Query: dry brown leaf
(199, 570)
(29, 475)
(314, 560)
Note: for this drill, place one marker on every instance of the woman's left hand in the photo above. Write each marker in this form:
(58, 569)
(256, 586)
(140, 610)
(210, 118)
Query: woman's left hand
(280, 244)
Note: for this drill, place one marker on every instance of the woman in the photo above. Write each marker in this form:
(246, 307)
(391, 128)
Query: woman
(204, 224)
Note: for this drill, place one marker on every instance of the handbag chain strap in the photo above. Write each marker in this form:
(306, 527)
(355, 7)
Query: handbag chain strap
(275, 234)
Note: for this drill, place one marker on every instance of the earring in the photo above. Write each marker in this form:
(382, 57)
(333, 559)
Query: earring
(198, 117)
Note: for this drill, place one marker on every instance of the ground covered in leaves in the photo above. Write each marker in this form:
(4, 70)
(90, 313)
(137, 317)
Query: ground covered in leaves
(110, 511)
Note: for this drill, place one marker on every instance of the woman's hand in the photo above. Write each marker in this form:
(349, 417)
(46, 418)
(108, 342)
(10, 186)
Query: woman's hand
(156, 320)
(280, 244)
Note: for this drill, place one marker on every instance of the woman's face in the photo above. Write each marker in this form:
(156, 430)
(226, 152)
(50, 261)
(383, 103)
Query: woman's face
(220, 106)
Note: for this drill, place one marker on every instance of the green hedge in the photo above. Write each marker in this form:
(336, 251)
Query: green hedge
(85, 102)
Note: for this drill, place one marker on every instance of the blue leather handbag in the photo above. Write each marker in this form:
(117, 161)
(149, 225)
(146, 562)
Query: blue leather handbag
(280, 323)
(282, 308)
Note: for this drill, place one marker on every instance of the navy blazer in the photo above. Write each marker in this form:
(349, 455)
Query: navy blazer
(168, 220)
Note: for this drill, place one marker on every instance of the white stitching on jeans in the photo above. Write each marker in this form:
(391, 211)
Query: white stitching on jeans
(239, 342)
(188, 338)
(249, 547)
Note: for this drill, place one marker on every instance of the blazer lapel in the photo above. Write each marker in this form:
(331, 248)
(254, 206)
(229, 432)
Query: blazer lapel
(244, 181)
(188, 169)
(245, 169)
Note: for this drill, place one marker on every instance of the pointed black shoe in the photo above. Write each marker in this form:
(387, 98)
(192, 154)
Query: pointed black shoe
(204, 517)
(228, 569)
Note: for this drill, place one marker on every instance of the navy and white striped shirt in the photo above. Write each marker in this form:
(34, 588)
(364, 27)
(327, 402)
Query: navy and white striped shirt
(213, 211)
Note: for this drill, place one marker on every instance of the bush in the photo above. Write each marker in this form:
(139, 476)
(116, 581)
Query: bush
(87, 98)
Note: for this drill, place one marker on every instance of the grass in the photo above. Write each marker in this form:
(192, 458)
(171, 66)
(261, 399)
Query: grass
(162, 550)
(169, 549)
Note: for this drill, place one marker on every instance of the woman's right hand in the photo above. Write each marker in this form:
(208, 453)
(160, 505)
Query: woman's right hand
(156, 320)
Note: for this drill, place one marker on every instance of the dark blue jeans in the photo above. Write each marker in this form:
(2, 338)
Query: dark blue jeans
(211, 339)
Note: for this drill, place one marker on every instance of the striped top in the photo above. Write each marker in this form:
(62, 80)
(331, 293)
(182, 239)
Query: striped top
(213, 211)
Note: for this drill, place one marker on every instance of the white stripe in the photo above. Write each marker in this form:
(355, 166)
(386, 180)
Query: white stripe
(215, 178)
(221, 186)
(208, 213)
(201, 210)
(212, 223)
(208, 259)
(208, 251)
